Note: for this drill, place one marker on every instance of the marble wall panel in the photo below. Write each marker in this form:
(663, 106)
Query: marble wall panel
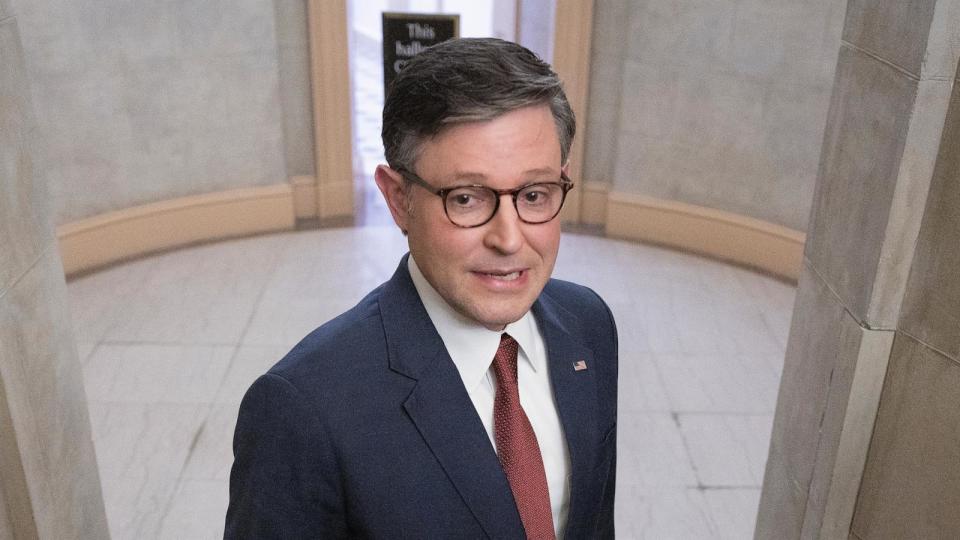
(24, 229)
(220, 29)
(720, 104)
(143, 102)
(933, 291)
(610, 26)
(680, 32)
(127, 31)
(943, 45)
(47, 465)
(611, 20)
(862, 149)
(813, 355)
(845, 429)
(895, 31)
(909, 487)
(47, 404)
(603, 118)
(705, 138)
(295, 95)
(15, 495)
(828, 354)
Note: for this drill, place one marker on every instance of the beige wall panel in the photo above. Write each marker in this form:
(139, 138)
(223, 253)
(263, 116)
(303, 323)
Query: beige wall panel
(864, 141)
(894, 31)
(335, 199)
(304, 196)
(47, 403)
(594, 203)
(910, 485)
(573, 21)
(931, 307)
(115, 236)
(743, 240)
(330, 83)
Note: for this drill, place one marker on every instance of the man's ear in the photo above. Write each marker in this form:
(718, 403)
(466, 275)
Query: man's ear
(391, 186)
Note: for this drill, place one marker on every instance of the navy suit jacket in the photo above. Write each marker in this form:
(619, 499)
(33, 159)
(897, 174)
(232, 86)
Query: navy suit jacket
(365, 430)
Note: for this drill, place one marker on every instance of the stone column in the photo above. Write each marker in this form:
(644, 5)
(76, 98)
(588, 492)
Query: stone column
(49, 487)
(866, 438)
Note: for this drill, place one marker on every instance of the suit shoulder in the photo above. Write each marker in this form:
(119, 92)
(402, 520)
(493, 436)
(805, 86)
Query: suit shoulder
(344, 344)
(581, 311)
(573, 297)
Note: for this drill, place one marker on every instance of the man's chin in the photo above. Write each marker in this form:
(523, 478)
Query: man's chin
(496, 320)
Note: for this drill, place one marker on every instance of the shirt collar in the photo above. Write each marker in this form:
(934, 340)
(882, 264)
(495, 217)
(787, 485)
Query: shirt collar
(471, 345)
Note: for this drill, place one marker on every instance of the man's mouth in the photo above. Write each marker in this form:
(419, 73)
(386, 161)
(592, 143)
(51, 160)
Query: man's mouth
(505, 277)
(502, 275)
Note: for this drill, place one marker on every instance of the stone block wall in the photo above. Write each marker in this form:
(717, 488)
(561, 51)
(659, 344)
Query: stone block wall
(911, 484)
(138, 102)
(865, 439)
(717, 104)
(49, 487)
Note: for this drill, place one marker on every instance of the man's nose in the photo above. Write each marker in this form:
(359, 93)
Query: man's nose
(504, 232)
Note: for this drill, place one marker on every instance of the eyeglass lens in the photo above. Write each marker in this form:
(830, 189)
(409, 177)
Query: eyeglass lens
(472, 205)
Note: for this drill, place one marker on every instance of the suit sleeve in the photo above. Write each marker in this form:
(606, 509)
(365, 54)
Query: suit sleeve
(284, 482)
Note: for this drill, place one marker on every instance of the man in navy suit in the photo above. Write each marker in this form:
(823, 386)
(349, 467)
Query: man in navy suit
(471, 395)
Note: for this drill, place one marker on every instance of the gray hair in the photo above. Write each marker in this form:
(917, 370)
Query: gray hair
(467, 80)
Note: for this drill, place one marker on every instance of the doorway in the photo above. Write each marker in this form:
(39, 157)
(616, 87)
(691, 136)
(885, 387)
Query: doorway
(478, 18)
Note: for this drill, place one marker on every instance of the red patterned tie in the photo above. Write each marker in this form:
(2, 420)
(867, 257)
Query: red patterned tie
(517, 446)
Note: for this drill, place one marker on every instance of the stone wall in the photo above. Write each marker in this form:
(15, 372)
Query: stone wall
(49, 486)
(144, 101)
(911, 485)
(866, 442)
(718, 104)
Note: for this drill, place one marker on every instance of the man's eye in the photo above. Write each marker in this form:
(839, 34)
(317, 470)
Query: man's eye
(466, 199)
(534, 197)
(463, 200)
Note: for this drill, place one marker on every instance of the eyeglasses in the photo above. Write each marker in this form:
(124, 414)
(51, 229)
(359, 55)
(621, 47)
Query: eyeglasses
(474, 205)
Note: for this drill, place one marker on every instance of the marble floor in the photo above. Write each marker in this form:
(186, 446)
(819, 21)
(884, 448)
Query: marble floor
(169, 344)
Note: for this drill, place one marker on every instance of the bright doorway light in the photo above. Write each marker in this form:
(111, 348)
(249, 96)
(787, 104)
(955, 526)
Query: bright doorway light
(478, 18)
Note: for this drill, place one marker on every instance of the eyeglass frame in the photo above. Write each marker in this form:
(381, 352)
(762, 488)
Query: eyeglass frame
(565, 185)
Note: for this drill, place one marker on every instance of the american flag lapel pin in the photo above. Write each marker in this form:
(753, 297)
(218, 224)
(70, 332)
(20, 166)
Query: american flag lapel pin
(580, 365)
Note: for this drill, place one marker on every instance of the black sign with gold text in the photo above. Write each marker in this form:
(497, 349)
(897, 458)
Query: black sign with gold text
(406, 34)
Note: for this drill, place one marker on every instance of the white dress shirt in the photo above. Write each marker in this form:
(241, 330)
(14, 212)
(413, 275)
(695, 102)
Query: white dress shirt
(472, 348)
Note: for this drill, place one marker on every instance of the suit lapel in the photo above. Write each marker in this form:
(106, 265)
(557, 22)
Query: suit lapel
(448, 422)
(441, 410)
(575, 392)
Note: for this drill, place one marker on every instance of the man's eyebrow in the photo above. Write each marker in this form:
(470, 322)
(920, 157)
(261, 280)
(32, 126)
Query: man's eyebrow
(541, 170)
(469, 176)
